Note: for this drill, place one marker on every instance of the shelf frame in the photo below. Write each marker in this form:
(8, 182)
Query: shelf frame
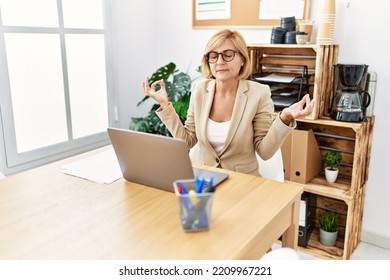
(348, 190)
(320, 60)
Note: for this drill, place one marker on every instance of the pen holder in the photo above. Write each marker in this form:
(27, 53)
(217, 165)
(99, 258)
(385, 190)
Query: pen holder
(194, 208)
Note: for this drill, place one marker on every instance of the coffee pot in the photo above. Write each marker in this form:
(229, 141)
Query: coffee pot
(349, 97)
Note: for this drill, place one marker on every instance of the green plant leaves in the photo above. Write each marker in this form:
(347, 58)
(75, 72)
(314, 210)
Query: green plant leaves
(181, 107)
(163, 72)
(328, 221)
(139, 124)
(332, 159)
(178, 87)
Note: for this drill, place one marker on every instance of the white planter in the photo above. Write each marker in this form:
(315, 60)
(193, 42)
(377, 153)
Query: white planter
(328, 238)
(331, 175)
(302, 39)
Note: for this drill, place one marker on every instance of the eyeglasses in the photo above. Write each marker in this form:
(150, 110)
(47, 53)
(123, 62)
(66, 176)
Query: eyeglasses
(227, 56)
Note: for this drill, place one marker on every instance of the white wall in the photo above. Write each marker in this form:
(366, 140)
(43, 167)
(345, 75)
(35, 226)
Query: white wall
(152, 33)
(133, 53)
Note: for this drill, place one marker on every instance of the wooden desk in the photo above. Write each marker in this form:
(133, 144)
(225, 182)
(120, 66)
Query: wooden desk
(45, 214)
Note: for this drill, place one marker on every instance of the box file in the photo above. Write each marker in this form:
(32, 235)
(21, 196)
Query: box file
(302, 158)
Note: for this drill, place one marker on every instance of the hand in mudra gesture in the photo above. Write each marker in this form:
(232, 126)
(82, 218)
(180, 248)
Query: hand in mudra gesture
(298, 110)
(160, 96)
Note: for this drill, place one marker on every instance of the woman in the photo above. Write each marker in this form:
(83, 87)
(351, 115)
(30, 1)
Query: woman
(229, 117)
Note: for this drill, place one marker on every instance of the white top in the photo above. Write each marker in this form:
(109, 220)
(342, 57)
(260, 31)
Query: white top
(217, 133)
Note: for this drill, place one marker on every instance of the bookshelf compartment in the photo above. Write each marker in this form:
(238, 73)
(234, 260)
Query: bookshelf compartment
(319, 60)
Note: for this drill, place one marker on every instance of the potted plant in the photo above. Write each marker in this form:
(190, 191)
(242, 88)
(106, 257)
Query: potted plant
(332, 160)
(329, 226)
(178, 86)
(302, 37)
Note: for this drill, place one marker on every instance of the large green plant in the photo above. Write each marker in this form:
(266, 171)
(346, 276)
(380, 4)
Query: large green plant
(178, 86)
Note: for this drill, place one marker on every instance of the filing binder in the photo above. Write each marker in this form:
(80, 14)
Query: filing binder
(304, 211)
(303, 234)
(304, 220)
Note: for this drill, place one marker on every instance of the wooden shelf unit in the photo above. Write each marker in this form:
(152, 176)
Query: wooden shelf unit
(346, 195)
(318, 58)
(353, 140)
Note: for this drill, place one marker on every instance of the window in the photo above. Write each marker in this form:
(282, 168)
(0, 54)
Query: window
(53, 80)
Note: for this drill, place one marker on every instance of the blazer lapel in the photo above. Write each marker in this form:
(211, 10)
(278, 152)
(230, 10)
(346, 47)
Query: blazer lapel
(238, 111)
(207, 102)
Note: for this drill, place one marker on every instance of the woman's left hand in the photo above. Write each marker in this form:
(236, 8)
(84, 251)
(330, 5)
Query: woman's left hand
(300, 109)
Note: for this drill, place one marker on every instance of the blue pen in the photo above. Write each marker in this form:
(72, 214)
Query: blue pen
(199, 185)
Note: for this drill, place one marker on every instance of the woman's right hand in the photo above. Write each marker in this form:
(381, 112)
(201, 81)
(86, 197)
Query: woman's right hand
(160, 96)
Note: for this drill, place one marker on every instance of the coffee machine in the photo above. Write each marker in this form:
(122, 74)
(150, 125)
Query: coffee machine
(349, 96)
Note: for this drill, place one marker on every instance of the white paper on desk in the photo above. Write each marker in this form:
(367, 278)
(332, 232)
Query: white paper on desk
(100, 168)
(276, 78)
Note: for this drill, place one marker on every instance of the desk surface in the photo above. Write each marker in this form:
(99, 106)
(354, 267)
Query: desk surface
(45, 214)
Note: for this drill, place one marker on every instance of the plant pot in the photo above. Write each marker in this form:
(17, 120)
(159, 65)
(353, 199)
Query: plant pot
(331, 174)
(328, 238)
(302, 39)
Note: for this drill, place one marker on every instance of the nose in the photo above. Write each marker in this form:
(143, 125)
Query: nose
(220, 58)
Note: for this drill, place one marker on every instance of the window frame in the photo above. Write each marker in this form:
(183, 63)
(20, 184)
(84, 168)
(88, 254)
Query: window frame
(11, 160)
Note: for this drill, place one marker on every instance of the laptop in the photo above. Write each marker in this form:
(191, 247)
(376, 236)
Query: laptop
(155, 160)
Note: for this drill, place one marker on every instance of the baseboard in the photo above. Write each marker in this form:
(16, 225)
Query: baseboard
(376, 239)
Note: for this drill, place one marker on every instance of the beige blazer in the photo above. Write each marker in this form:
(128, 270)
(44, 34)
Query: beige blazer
(251, 130)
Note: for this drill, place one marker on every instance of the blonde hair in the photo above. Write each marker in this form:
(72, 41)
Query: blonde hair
(238, 41)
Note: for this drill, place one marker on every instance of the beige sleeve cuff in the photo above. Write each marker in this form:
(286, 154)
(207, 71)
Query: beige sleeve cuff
(293, 122)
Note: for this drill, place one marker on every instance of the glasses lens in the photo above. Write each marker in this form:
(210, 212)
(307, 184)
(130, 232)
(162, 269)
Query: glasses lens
(212, 57)
(228, 55)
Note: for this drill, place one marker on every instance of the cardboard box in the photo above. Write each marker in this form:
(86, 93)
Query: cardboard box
(302, 158)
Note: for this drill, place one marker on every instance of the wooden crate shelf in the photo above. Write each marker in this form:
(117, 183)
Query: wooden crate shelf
(315, 248)
(353, 140)
(346, 195)
(349, 234)
(318, 58)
